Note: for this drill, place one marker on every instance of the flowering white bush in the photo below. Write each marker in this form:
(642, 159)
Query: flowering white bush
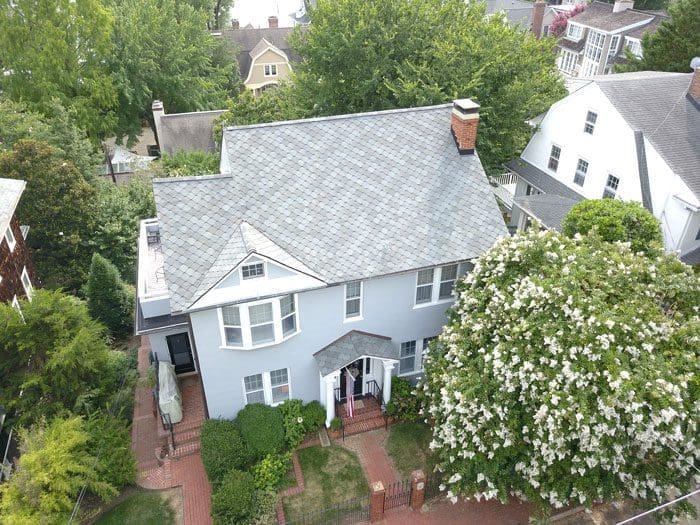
(568, 374)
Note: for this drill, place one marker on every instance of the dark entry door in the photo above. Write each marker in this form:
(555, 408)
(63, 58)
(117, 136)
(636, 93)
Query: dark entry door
(180, 352)
(359, 366)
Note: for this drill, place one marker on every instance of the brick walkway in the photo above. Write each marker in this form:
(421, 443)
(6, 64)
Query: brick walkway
(370, 448)
(149, 441)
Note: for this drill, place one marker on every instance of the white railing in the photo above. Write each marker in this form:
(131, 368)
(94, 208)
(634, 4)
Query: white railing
(504, 178)
(504, 187)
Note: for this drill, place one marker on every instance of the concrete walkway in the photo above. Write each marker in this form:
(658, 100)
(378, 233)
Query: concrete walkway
(149, 442)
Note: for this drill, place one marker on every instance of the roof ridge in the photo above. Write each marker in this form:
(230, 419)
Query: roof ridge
(190, 113)
(190, 178)
(337, 117)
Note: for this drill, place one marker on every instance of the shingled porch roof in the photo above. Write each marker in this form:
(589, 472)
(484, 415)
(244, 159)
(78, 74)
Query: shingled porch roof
(351, 347)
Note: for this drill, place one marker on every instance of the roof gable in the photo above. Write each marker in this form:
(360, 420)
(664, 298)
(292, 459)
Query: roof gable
(10, 193)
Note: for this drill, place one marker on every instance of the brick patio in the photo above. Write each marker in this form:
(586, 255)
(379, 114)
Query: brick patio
(158, 466)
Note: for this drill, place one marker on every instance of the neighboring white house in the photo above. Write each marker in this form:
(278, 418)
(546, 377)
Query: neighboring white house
(631, 136)
(327, 244)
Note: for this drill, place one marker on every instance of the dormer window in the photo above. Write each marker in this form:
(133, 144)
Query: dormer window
(574, 32)
(589, 126)
(270, 70)
(251, 271)
(10, 238)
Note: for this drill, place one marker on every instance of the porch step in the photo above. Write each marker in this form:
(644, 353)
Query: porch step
(185, 449)
(362, 416)
(363, 426)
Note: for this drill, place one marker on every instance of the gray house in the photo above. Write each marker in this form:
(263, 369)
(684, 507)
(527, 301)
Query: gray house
(327, 249)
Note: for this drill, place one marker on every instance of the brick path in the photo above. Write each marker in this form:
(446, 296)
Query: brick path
(442, 512)
(370, 448)
(149, 442)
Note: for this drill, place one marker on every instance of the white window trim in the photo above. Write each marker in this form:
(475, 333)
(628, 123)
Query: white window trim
(246, 335)
(360, 315)
(27, 290)
(437, 280)
(588, 166)
(549, 156)
(271, 74)
(579, 31)
(252, 263)
(10, 242)
(15, 303)
(418, 358)
(267, 386)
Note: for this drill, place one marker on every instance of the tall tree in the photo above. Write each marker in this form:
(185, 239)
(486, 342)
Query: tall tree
(59, 206)
(401, 53)
(109, 299)
(673, 44)
(56, 49)
(567, 374)
(162, 50)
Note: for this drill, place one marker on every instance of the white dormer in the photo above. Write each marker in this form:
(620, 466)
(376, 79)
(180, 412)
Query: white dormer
(574, 31)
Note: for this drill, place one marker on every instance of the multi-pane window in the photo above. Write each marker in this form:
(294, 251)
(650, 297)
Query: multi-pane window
(10, 237)
(270, 70)
(254, 389)
(27, 284)
(424, 286)
(591, 119)
(611, 187)
(288, 314)
(262, 327)
(279, 385)
(594, 45)
(554, 155)
(581, 170)
(232, 325)
(353, 299)
(574, 31)
(614, 45)
(634, 45)
(567, 61)
(448, 276)
(407, 361)
(250, 271)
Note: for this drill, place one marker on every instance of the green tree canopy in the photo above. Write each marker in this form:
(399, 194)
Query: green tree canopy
(568, 374)
(110, 300)
(187, 163)
(59, 206)
(615, 220)
(384, 54)
(56, 48)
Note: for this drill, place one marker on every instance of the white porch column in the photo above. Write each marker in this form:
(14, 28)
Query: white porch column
(386, 384)
(330, 398)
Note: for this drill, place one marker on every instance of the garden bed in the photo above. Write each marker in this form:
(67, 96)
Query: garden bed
(332, 475)
(147, 507)
(408, 447)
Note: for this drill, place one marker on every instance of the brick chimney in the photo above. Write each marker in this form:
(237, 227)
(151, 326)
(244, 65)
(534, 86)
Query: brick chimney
(272, 21)
(538, 17)
(465, 119)
(694, 89)
(235, 24)
(622, 5)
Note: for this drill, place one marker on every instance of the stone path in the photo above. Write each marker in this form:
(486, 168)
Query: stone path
(149, 442)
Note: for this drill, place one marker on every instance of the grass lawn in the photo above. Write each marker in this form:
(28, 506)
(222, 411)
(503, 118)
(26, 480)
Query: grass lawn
(144, 507)
(408, 448)
(331, 475)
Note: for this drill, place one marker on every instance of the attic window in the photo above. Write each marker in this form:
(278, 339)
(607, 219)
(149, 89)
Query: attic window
(591, 118)
(10, 237)
(270, 70)
(251, 271)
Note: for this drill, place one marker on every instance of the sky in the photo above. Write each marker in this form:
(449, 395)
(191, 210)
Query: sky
(256, 11)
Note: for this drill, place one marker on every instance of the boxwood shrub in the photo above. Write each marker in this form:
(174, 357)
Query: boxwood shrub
(223, 449)
(314, 416)
(262, 428)
(233, 500)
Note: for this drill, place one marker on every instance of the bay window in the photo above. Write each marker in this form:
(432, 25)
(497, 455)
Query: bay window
(232, 325)
(288, 314)
(260, 323)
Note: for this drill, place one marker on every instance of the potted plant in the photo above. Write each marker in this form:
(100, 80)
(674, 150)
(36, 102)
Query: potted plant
(335, 428)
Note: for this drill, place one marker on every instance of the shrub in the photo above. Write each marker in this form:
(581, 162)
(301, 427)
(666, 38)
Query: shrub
(109, 299)
(271, 470)
(223, 449)
(314, 416)
(294, 426)
(266, 508)
(404, 403)
(233, 499)
(336, 424)
(110, 442)
(262, 428)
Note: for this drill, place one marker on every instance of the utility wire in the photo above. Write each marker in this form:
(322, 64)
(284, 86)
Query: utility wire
(668, 504)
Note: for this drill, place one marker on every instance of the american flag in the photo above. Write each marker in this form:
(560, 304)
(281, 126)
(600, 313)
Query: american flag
(349, 390)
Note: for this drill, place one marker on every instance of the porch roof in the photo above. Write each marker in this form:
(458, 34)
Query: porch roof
(351, 347)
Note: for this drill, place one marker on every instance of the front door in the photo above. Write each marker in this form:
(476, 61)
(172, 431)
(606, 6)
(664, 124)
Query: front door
(180, 352)
(358, 370)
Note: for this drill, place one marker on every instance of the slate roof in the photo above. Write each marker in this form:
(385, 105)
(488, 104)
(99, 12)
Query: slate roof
(10, 193)
(576, 47)
(549, 208)
(517, 12)
(188, 131)
(638, 32)
(351, 347)
(541, 180)
(350, 197)
(247, 38)
(656, 104)
(599, 15)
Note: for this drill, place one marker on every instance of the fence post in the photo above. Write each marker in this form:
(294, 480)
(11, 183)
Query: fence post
(417, 489)
(376, 503)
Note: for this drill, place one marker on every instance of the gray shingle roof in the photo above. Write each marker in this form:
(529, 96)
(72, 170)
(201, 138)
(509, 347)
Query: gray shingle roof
(517, 11)
(692, 258)
(599, 15)
(10, 193)
(246, 39)
(577, 47)
(656, 104)
(351, 347)
(541, 180)
(145, 325)
(350, 197)
(549, 208)
(188, 131)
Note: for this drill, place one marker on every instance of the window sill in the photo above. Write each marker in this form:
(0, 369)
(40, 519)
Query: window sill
(353, 319)
(258, 347)
(433, 303)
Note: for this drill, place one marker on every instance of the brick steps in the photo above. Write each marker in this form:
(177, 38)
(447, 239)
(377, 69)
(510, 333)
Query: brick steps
(363, 426)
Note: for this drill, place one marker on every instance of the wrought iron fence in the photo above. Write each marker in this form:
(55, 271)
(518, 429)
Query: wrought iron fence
(346, 513)
(397, 494)
(432, 487)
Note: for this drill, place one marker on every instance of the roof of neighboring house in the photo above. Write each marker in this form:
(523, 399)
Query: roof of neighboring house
(188, 131)
(248, 39)
(349, 197)
(599, 15)
(692, 258)
(541, 180)
(549, 208)
(656, 104)
(10, 192)
(638, 32)
(352, 346)
(577, 47)
(517, 11)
